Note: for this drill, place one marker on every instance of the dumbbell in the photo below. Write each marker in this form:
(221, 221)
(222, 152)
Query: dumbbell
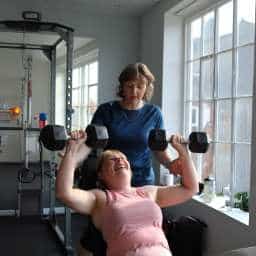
(54, 137)
(197, 141)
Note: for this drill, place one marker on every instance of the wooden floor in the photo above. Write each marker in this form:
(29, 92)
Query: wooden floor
(30, 236)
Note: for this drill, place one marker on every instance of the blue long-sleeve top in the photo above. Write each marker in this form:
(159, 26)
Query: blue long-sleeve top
(128, 132)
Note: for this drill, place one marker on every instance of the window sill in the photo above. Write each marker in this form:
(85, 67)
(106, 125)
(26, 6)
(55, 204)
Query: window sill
(218, 204)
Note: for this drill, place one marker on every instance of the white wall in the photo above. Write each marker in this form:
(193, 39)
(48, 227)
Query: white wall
(223, 233)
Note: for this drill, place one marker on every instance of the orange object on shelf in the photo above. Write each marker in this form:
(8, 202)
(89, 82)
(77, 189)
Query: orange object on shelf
(16, 111)
(10, 114)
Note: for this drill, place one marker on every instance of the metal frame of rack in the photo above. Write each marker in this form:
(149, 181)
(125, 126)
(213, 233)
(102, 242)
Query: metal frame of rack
(65, 34)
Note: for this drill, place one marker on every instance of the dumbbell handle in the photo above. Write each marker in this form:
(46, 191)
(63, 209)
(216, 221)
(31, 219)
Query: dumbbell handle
(183, 140)
(198, 142)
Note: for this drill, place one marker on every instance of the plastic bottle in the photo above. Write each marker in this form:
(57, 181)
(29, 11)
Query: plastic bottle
(42, 120)
(209, 189)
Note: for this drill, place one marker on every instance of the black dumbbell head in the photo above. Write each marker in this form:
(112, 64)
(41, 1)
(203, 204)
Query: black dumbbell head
(198, 142)
(97, 136)
(53, 137)
(157, 140)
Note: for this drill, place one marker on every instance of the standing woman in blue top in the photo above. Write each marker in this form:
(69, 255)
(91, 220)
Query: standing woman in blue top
(130, 120)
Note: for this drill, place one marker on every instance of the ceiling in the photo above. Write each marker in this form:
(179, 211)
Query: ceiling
(116, 7)
(106, 7)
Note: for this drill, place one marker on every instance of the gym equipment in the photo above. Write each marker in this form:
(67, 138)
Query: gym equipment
(197, 141)
(10, 114)
(54, 137)
(62, 33)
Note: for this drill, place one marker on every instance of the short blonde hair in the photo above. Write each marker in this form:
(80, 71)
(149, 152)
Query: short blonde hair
(100, 165)
(104, 155)
(133, 71)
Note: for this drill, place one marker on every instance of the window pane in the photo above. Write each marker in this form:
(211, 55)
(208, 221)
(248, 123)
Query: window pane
(208, 118)
(224, 109)
(207, 126)
(244, 72)
(60, 106)
(75, 78)
(93, 100)
(76, 118)
(84, 120)
(93, 73)
(242, 168)
(245, 21)
(76, 97)
(222, 166)
(224, 67)
(208, 33)
(207, 78)
(225, 26)
(93, 96)
(207, 163)
(243, 120)
(192, 118)
(195, 39)
(85, 95)
(197, 159)
(193, 81)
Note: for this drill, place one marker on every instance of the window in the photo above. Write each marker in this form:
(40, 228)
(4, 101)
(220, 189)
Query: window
(84, 94)
(219, 66)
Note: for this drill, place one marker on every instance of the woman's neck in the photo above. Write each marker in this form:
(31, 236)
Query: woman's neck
(122, 188)
(132, 105)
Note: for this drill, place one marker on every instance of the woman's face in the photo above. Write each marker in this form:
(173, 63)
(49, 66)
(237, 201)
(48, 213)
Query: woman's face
(134, 90)
(115, 171)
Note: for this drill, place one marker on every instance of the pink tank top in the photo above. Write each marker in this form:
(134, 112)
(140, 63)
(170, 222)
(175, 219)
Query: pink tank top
(131, 220)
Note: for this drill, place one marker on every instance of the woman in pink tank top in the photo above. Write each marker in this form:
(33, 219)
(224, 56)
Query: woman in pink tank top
(129, 218)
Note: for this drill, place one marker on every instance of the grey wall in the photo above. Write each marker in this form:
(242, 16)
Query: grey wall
(223, 233)
(117, 37)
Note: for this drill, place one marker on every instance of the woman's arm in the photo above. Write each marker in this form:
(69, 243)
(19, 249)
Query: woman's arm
(172, 165)
(77, 199)
(170, 195)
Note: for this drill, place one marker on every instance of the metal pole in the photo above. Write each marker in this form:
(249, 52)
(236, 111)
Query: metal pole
(69, 43)
(52, 120)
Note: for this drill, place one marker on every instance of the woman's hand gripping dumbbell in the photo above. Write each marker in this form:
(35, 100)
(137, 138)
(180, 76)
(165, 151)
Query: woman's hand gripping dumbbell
(54, 137)
(197, 141)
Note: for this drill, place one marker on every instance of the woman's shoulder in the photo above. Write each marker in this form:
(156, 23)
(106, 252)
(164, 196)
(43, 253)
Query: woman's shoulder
(108, 105)
(100, 196)
(152, 108)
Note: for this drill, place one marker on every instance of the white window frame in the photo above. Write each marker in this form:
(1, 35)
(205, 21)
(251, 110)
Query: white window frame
(84, 85)
(233, 49)
(82, 62)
